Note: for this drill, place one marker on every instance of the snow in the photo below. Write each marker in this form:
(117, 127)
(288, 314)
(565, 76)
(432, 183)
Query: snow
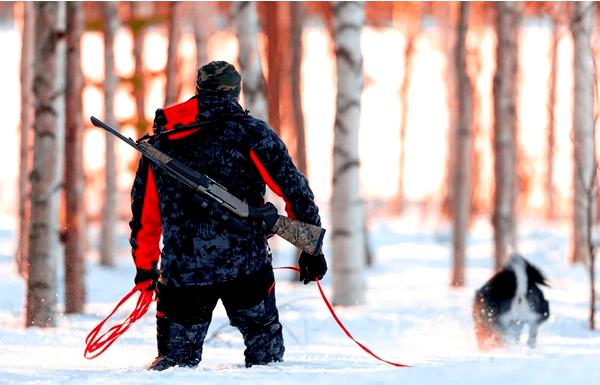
(411, 316)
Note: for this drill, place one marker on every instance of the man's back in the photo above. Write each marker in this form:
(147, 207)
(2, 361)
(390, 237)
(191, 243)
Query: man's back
(241, 153)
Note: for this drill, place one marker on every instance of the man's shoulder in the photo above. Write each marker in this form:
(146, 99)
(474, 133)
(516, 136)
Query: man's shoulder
(257, 128)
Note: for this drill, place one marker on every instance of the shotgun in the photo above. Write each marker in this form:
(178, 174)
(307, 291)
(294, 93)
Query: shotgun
(307, 237)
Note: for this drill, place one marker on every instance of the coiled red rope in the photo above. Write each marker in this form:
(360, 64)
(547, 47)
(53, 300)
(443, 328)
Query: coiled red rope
(96, 345)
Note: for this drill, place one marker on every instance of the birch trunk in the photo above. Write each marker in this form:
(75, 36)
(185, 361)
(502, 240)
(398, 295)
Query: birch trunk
(45, 176)
(347, 207)
(582, 23)
(464, 151)
(505, 128)
(74, 177)
(296, 18)
(253, 84)
(274, 59)
(172, 57)
(109, 208)
(26, 125)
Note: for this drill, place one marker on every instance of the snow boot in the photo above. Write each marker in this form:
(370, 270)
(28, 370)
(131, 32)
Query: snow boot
(178, 344)
(161, 363)
(261, 330)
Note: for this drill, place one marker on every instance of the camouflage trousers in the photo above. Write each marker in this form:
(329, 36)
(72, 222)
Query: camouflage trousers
(184, 315)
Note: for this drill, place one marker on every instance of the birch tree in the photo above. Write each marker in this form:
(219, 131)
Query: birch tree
(45, 177)
(464, 151)
(25, 130)
(505, 128)
(347, 207)
(582, 22)
(253, 86)
(172, 57)
(74, 177)
(109, 208)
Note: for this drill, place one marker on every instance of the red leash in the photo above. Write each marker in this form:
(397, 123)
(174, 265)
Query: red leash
(96, 345)
(341, 325)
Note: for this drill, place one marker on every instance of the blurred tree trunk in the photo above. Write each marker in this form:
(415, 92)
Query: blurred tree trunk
(109, 208)
(404, 88)
(464, 151)
(26, 125)
(201, 32)
(46, 173)
(480, 199)
(74, 177)
(552, 90)
(140, 11)
(448, 22)
(296, 47)
(411, 32)
(274, 59)
(582, 22)
(172, 55)
(505, 128)
(347, 206)
(246, 27)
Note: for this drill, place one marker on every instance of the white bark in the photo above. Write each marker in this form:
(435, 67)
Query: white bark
(505, 128)
(25, 130)
(583, 129)
(47, 165)
(109, 209)
(347, 207)
(253, 83)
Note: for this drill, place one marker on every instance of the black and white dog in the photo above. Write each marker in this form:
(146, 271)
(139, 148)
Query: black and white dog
(508, 301)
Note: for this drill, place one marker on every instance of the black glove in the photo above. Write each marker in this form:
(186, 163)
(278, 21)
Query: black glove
(311, 266)
(151, 275)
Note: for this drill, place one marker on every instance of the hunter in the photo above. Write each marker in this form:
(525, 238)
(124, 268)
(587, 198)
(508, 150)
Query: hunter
(203, 259)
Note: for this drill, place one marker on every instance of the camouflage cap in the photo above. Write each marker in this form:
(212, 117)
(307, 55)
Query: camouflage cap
(218, 77)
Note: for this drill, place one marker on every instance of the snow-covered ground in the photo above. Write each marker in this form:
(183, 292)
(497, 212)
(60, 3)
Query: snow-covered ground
(411, 316)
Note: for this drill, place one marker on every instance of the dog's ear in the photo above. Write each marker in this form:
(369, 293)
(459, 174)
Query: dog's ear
(536, 276)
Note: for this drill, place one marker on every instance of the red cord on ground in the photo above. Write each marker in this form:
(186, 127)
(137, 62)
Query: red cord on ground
(96, 345)
(341, 325)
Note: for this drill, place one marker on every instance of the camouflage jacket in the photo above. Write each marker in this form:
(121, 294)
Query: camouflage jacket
(240, 152)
